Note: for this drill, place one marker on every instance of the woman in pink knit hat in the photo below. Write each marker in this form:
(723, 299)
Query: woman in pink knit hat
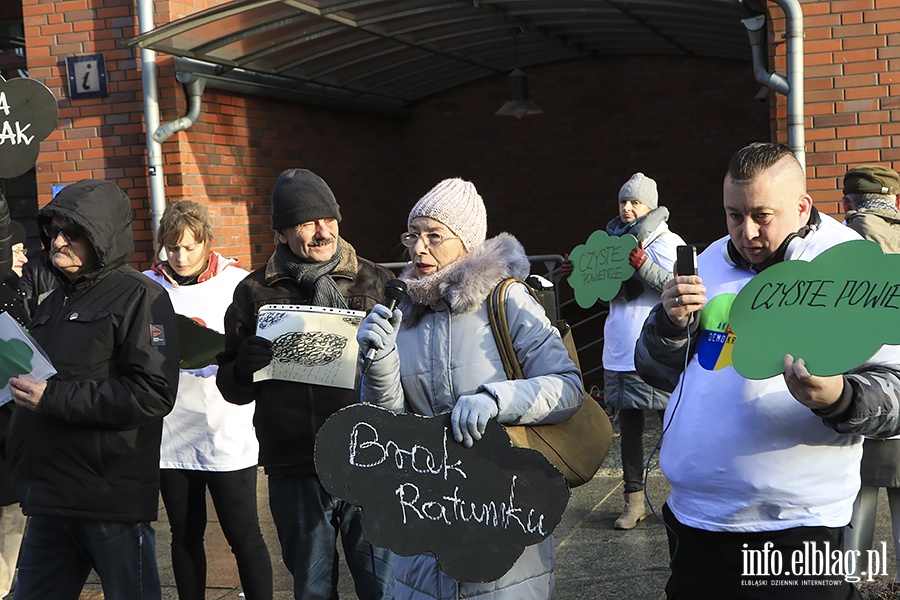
(440, 343)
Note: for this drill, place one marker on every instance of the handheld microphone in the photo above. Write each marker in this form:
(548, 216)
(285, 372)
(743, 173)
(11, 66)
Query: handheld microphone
(394, 292)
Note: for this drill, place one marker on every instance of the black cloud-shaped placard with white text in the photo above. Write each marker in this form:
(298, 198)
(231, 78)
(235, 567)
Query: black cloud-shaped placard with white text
(28, 114)
(475, 509)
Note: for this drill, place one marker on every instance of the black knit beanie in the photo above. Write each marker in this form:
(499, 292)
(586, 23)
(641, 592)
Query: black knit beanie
(18, 233)
(301, 196)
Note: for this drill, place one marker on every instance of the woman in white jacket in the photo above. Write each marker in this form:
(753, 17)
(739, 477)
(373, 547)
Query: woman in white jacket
(446, 361)
(207, 443)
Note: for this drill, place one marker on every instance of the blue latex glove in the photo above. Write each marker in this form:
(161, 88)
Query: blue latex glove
(470, 417)
(379, 330)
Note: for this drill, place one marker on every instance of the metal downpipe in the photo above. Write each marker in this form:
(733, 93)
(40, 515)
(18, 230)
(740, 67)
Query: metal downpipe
(795, 114)
(757, 32)
(151, 118)
(792, 86)
(195, 86)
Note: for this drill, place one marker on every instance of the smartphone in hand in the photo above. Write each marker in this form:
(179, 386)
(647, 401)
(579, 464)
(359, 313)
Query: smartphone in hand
(686, 260)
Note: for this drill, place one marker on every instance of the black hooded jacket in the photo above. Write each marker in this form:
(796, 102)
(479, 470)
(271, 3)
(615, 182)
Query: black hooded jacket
(91, 450)
(12, 302)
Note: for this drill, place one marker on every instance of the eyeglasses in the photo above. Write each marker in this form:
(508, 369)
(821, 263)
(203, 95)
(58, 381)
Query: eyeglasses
(72, 234)
(431, 239)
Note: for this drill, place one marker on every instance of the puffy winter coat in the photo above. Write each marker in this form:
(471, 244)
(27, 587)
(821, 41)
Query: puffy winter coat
(446, 351)
(92, 448)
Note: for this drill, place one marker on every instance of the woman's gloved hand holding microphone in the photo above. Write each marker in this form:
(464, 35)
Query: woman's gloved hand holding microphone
(378, 332)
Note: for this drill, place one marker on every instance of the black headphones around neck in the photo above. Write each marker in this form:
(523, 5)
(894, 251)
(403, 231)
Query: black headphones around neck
(792, 246)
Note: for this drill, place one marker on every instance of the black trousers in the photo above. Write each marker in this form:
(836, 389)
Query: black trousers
(631, 430)
(714, 565)
(234, 496)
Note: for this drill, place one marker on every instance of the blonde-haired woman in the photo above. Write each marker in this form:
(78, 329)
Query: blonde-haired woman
(446, 361)
(207, 443)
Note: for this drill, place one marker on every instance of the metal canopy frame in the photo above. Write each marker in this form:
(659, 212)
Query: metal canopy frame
(386, 55)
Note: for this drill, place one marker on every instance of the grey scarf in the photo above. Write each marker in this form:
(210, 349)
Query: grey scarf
(314, 277)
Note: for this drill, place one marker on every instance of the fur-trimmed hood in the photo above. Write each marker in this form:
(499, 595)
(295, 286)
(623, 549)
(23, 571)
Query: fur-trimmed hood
(467, 282)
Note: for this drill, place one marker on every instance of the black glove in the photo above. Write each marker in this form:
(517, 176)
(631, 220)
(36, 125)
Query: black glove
(254, 353)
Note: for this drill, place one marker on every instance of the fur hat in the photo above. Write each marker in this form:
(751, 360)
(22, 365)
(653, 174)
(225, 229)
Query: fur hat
(640, 188)
(871, 179)
(301, 196)
(457, 204)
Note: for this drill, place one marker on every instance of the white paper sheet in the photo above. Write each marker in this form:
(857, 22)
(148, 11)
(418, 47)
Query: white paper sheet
(312, 344)
(20, 356)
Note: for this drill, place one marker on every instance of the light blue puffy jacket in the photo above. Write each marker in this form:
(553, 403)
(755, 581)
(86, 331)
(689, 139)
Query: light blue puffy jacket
(446, 351)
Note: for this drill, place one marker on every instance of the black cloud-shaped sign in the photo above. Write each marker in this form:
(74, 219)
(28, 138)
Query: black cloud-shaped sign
(475, 509)
(28, 114)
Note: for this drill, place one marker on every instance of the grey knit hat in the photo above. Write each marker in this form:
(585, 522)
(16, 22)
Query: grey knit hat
(456, 204)
(301, 196)
(640, 188)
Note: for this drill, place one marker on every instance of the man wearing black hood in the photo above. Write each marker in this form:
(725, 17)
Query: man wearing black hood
(84, 445)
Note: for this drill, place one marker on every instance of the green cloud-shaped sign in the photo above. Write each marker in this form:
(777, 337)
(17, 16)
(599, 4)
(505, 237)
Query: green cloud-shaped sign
(15, 359)
(599, 266)
(834, 312)
(28, 114)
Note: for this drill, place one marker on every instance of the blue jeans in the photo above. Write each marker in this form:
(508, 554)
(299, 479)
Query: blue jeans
(308, 520)
(59, 552)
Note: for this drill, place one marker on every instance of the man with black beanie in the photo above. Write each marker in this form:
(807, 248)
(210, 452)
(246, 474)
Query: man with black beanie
(313, 266)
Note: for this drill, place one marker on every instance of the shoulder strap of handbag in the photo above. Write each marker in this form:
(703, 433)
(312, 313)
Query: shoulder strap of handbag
(503, 338)
(500, 326)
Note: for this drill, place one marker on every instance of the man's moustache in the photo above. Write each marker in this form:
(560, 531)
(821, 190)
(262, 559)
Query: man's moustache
(325, 242)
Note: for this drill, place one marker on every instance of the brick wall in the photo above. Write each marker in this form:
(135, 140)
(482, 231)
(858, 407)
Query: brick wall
(539, 175)
(94, 138)
(551, 179)
(229, 159)
(851, 59)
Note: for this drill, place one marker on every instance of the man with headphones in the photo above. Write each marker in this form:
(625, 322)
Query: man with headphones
(763, 473)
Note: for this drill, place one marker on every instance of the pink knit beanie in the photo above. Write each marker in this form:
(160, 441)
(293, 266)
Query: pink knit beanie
(456, 204)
